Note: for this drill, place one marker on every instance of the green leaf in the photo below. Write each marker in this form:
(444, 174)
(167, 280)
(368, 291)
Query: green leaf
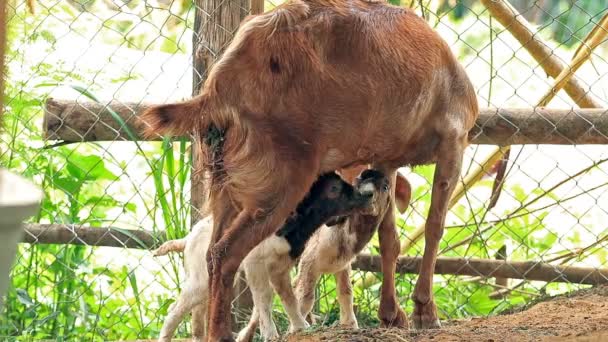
(133, 283)
(71, 186)
(132, 236)
(48, 36)
(88, 168)
(547, 242)
(50, 317)
(24, 298)
(132, 207)
(519, 193)
(104, 201)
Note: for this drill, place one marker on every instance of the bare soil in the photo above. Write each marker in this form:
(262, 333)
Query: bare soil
(579, 316)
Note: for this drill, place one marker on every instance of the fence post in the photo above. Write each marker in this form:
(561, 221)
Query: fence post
(199, 69)
(215, 22)
(503, 283)
(3, 28)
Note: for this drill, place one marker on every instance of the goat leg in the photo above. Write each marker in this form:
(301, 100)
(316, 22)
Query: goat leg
(258, 280)
(345, 298)
(191, 296)
(305, 289)
(390, 314)
(446, 175)
(248, 333)
(281, 281)
(199, 317)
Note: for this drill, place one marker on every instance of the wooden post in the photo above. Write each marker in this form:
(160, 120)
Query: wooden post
(3, 29)
(500, 281)
(215, 23)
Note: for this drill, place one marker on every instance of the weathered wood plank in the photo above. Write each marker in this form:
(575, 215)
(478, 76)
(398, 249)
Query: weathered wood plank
(519, 126)
(81, 121)
(529, 270)
(91, 236)
(88, 121)
(142, 239)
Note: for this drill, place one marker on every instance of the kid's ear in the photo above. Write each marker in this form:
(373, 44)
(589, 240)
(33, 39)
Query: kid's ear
(403, 193)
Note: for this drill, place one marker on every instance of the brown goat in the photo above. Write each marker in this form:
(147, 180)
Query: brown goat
(314, 86)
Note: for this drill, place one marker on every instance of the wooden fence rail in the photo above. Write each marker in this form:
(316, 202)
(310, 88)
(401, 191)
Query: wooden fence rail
(74, 234)
(71, 121)
(142, 239)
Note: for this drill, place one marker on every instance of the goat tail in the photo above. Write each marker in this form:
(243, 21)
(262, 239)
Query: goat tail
(170, 246)
(175, 118)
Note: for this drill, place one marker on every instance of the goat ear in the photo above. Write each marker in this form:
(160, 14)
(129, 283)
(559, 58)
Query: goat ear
(403, 193)
(336, 220)
(175, 118)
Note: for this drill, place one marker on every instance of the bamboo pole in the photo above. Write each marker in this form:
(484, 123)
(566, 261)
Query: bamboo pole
(257, 7)
(582, 55)
(31, 6)
(518, 26)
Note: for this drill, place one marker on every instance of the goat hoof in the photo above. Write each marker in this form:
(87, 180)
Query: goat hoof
(425, 316)
(312, 319)
(397, 320)
(245, 335)
(349, 325)
(421, 323)
(225, 338)
(298, 327)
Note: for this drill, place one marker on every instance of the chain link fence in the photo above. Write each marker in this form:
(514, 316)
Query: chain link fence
(528, 220)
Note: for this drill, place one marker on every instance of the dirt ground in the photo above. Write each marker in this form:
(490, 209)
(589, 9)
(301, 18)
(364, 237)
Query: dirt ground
(580, 316)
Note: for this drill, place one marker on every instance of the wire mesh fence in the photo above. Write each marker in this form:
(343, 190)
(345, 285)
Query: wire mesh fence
(78, 73)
